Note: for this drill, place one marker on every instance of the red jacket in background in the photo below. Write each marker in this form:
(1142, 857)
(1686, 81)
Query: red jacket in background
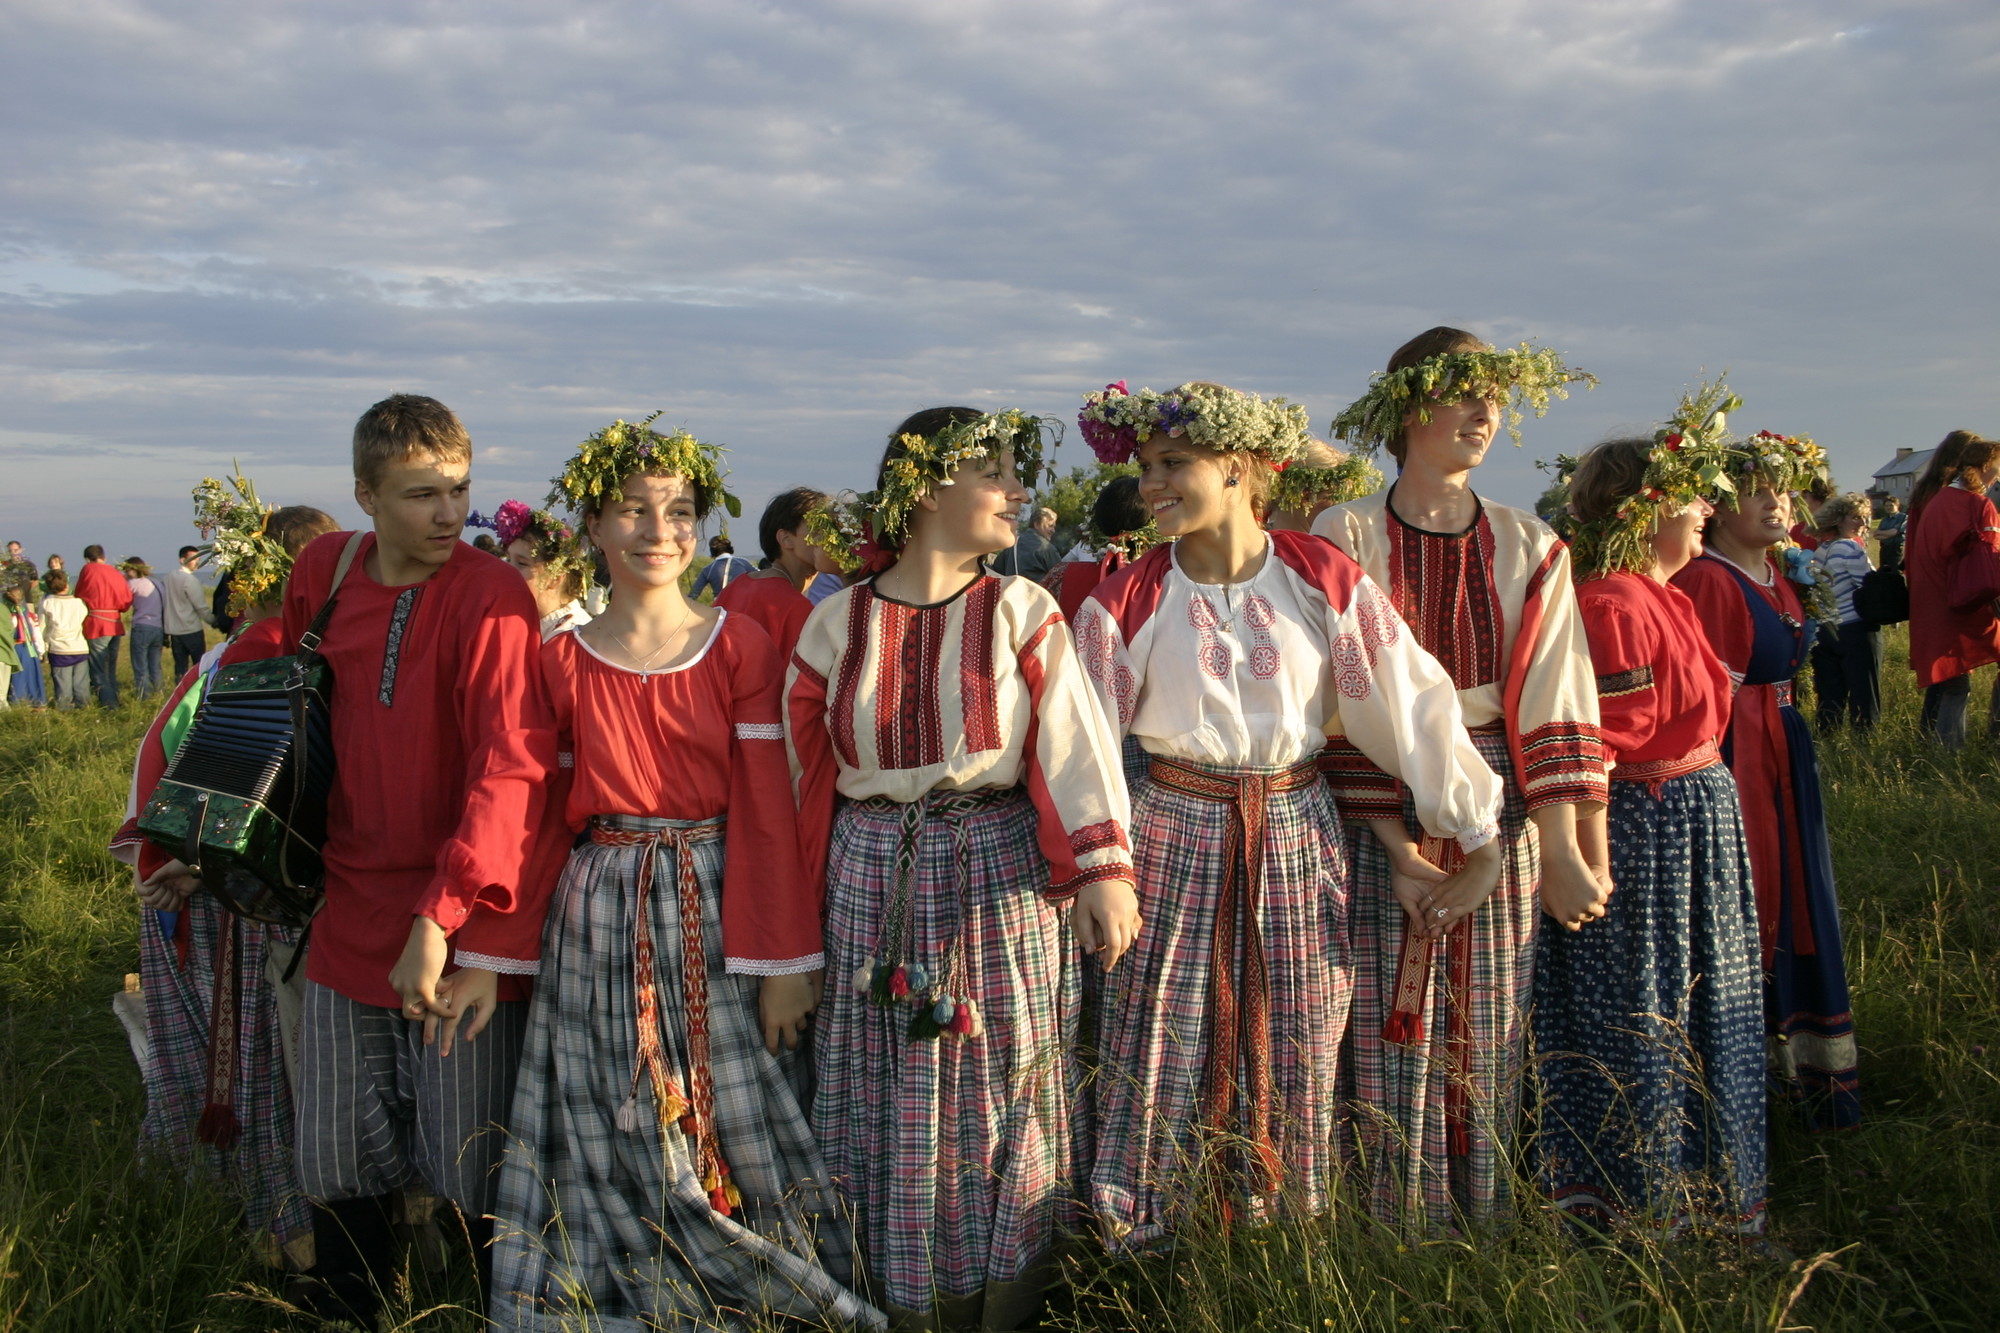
(101, 588)
(1945, 643)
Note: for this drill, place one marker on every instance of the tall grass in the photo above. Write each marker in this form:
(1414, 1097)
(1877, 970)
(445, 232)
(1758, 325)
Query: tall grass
(1893, 1225)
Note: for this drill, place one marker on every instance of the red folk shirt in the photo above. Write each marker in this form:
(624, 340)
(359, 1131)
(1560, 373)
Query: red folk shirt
(1662, 693)
(697, 741)
(1945, 643)
(443, 739)
(769, 599)
(104, 590)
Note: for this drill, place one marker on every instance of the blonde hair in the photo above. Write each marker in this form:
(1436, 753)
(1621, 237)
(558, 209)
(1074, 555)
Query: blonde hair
(404, 426)
(1840, 508)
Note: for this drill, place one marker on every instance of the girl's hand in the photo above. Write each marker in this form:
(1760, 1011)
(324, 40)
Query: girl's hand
(415, 975)
(470, 994)
(169, 887)
(1573, 892)
(1460, 894)
(1413, 878)
(784, 1003)
(1105, 917)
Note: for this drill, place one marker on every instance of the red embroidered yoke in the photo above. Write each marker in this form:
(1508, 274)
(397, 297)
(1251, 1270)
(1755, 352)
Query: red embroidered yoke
(1261, 673)
(1495, 606)
(1662, 692)
(982, 690)
(696, 741)
(770, 600)
(442, 736)
(1945, 643)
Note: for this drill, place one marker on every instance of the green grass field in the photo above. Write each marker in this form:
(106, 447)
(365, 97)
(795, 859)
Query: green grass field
(1894, 1225)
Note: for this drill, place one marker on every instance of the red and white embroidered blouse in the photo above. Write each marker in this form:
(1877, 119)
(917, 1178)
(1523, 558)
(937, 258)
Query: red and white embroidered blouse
(1495, 606)
(983, 690)
(697, 741)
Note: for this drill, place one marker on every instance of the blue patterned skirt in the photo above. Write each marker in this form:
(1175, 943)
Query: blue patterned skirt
(1648, 1025)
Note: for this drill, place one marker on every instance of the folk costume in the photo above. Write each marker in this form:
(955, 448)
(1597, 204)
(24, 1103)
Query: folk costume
(442, 737)
(1436, 1037)
(1946, 646)
(1222, 1028)
(769, 598)
(1761, 631)
(218, 1099)
(659, 1169)
(1647, 1024)
(957, 786)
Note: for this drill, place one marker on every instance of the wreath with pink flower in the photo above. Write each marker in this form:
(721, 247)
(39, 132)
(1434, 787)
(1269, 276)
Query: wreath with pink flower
(1115, 421)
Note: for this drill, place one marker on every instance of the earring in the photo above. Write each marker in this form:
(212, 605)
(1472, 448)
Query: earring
(1231, 481)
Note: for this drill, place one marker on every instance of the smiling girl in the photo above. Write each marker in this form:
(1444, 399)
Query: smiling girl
(1231, 655)
(1440, 1015)
(659, 1169)
(1648, 1024)
(956, 774)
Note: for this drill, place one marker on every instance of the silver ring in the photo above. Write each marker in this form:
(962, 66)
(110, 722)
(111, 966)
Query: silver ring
(1444, 911)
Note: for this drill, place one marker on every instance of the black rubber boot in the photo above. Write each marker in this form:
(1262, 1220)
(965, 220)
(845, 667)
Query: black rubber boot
(355, 1253)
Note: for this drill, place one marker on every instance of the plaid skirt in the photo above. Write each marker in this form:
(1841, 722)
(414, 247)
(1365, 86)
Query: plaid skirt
(955, 1152)
(1160, 1148)
(257, 1168)
(1649, 1025)
(603, 1217)
(1428, 1126)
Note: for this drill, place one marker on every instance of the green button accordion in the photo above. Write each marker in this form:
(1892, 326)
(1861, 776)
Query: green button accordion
(243, 802)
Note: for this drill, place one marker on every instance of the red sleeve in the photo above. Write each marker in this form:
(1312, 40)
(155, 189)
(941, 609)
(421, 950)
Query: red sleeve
(770, 908)
(813, 772)
(1623, 649)
(146, 772)
(1725, 616)
(508, 732)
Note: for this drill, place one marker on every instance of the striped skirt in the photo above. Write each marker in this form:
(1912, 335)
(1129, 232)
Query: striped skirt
(180, 1000)
(1649, 1027)
(955, 1152)
(1429, 1123)
(1221, 1029)
(604, 1216)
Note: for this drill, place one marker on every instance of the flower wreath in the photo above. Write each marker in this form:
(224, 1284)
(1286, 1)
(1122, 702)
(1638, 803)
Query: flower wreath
(928, 461)
(1689, 462)
(1116, 422)
(1785, 462)
(1299, 489)
(556, 543)
(837, 528)
(1520, 375)
(596, 473)
(232, 526)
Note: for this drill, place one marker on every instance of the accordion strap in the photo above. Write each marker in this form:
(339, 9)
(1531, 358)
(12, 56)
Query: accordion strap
(295, 689)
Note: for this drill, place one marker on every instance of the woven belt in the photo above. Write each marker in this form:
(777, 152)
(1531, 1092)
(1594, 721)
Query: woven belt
(695, 1118)
(1248, 1026)
(1655, 771)
(942, 1002)
(1783, 689)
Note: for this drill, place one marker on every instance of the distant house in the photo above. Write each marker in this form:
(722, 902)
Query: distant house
(1898, 476)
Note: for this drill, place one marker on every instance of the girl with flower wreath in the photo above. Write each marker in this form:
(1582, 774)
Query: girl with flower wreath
(219, 1013)
(1231, 655)
(550, 558)
(659, 1171)
(775, 596)
(1761, 628)
(1317, 480)
(1648, 1026)
(1437, 1036)
(963, 787)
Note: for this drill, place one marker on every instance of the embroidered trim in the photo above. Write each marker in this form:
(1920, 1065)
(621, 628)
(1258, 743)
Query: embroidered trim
(1096, 837)
(564, 759)
(1075, 884)
(1625, 682)
(1477, 838)
(774, 967)
(760, 731)
(979, 692)
(1660, 770)
(513, 967)
(392, 651)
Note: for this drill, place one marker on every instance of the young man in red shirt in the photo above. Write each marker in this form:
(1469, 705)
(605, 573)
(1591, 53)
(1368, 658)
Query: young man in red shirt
(421, 957)
(101, 588)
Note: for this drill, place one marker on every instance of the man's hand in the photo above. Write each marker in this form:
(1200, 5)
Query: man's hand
(784, 1003)
(169, 887)
(1105, 917)
(415, 975)
(470, 994)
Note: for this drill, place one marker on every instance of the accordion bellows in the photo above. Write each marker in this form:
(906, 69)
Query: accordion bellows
(231, 804)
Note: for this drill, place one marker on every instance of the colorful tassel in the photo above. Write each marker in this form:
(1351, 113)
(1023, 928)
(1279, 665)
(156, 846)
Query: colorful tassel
(878, 986)
(943, 1011)
(919, 977)
(864, 976)
(627, 1118)
(677, 1107)
(688, 1126)
(961, 1022)
(899, 984)
(924, 1025)
(1403, 1029)
(218, 1126)
(978, 1020)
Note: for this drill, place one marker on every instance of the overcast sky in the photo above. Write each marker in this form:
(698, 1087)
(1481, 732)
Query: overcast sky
(228, 228)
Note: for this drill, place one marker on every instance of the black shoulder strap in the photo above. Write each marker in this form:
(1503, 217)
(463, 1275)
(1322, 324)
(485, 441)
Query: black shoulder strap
(295, 690)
